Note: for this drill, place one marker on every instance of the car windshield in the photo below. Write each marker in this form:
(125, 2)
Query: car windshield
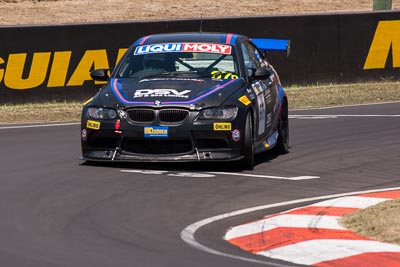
(204, 60)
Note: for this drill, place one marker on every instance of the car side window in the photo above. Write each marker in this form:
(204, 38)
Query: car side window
(251, 56)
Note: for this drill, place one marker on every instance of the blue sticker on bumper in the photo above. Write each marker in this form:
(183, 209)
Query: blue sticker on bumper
(156, 131)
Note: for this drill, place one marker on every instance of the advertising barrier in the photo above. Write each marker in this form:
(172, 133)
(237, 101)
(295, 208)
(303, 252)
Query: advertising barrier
(42, 63)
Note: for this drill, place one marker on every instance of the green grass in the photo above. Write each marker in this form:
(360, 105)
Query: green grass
(41, 112)
(380, 222)
(299, 97)
(342, 94)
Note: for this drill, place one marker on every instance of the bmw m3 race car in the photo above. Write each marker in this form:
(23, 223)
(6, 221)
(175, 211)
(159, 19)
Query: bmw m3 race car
(188, 97)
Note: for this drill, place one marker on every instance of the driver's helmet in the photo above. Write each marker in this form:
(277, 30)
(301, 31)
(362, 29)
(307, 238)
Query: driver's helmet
(154, 61)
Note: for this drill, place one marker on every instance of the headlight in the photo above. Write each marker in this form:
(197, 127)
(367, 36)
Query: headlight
(221, 113)
(102, 113)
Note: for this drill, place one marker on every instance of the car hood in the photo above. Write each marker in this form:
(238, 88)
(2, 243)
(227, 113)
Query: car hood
(173, 91)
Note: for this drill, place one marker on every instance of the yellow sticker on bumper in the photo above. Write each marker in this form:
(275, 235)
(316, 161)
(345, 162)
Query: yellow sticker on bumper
(245, 100)
(222, 126)
(95, 125)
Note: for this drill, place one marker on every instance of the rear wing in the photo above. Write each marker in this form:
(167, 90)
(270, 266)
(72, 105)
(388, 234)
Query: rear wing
(272, 44)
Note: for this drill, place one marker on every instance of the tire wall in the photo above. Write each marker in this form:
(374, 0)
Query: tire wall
(42, 63)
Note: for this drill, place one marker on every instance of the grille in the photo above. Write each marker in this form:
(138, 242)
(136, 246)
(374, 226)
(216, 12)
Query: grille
(156, 147)
(172, 115)
(211, 140)
(212, 143)
(103, 143)
(164, 115)
(141, 115)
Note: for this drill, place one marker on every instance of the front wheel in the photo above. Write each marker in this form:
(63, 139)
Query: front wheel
(248, 144)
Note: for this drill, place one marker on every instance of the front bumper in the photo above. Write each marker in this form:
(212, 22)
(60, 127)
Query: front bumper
(188, 141)
(122, 156)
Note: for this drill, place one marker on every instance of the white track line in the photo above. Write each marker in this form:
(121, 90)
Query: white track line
(304, 116)
(359, 202)
(38, 125)
(348, 106)
(296, 178)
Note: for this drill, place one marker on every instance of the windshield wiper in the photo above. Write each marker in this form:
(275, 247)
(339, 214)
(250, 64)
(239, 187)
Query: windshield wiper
(151, 75)
(184, 72)
(167, 73)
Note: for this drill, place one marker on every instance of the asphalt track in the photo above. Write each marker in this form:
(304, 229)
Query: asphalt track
(56, 212)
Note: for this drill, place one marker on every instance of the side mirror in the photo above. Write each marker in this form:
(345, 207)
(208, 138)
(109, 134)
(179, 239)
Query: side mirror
(100, 74)
(262, 74)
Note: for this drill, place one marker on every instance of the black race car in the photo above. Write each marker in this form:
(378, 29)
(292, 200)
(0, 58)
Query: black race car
(188, 97)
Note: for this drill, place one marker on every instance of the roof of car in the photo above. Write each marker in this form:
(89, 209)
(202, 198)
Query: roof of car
(219, 38)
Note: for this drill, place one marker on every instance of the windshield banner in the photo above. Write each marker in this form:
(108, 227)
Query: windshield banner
(184, 47)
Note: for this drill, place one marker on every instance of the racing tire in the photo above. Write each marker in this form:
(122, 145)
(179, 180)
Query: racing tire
(248, 145)
(282, 145)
